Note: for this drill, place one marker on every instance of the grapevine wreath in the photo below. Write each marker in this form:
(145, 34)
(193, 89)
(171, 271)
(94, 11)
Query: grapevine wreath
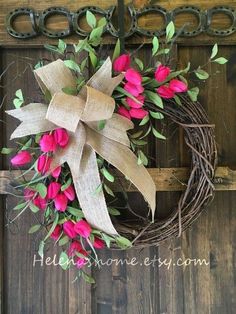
(86, 128)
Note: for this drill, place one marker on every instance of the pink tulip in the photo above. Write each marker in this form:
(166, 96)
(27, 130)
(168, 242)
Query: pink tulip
(56, 233)
(60, 202)
(138, 113)
(165, 92)
(47, 143)
(134, 104)
(81, 262)
(53, 190)
(43, 164)
(98, 243)
(74, 247)
(178, 86)
(161, 73)
(56, 172)
(133, 77)
(40, 202)
(134, 90)
(22, 158)
(70, 193)
(61, 137)
(29, 194)
(124, 112)
(121, 63)
(83, 228)
(68, 228)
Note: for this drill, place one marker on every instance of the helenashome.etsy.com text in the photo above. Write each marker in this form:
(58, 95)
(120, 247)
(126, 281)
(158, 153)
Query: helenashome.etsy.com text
(134, 261)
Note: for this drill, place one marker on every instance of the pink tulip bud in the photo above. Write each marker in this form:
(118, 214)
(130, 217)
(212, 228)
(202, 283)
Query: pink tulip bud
(74, 247)
(43, 164)
(68, 228)
(56, 233)
(178, 86)
(83, 228)
(134, 90)
(61, 137)
(53, 190)
(138, 113)
(165, 92)
(98, 243)
(133, 77)
(81, 262)
(161, 73)
(134, 104)
(56, 172)
(124, 112)
(60, 202)
(29, 194)
(47, 143)
(40, 202)
(121, 63)
(22, 158)
(70, 193)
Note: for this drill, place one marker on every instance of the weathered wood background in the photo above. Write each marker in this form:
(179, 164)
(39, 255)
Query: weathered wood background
(169, 289)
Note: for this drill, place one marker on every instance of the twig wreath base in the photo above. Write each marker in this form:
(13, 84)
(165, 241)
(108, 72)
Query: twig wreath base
(200, 139)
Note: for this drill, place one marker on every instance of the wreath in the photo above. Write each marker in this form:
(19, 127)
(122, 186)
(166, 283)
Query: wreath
(74, 142)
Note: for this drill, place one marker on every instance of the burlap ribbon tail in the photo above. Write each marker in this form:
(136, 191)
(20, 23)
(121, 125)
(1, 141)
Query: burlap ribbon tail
(80, 116)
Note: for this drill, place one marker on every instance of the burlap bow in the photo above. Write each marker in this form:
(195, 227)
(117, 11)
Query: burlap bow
(80, 115)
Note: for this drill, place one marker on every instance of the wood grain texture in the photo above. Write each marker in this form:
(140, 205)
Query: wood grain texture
(166, 179)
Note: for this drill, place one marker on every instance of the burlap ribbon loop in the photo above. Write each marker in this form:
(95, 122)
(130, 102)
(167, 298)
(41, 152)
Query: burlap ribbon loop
(80, 115)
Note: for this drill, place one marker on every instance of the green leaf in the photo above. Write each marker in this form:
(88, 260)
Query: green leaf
(19, 94)
(170, 31)
(93, 58)
(139, 63)
(34, 229)
(98, 189)
(157, 134)
(83, 65)
(7, 151)
(87, 278)
(123, 242)
(91, 19)
(163, 52)
(66, 185)
(107, 175)
(75, 212)
(139, 142)
(101, 125)
(96, 33)
(27, 145)
(113, 211)
(108, 190)
(53, 226)
(61, 46)
(155, 45)
(193, 93)
(47, 95)
(17, 103)
(220, 60)
(107, 239)
(144, 120)
(71, 64)
(116, 52)
(214, 51)
(33, 208)
(201, 74)
(69, 90)
(177, 100)
(41, 189)
(20, 206)
(102, 22)
(38, 65)
(53, 49)
(142, 159)
(156, 115)
(41, 248)
(64, 260)
(154, 98)
(63, 241)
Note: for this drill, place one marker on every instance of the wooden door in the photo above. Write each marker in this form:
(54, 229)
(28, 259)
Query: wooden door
(163, 286)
